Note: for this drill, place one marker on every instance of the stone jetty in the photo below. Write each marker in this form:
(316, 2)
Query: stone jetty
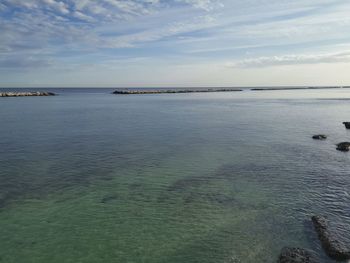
(168, 91)
(26, 93)
(296, 88)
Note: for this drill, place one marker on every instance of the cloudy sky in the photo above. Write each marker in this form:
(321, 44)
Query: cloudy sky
(125, 43)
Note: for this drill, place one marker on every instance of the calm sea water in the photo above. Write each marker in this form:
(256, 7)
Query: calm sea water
(87, 176)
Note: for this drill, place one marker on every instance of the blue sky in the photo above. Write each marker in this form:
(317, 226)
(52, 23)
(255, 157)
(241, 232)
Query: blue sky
(126, 43)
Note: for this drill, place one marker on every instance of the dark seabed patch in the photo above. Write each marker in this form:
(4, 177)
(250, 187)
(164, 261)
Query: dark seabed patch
(109, 198)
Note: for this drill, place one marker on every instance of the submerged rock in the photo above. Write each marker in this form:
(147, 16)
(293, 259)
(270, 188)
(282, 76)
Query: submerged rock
(109, 198)
(333, 247)
(296, 255)
(347, 125)
(319, 137)
(343, 146)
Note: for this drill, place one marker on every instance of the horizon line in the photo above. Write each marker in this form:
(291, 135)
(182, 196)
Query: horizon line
(178, 87)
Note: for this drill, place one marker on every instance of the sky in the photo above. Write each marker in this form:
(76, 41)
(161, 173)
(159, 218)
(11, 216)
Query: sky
(174, 43)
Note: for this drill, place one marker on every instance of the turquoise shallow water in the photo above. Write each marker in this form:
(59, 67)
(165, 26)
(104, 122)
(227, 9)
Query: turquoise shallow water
(87, 176)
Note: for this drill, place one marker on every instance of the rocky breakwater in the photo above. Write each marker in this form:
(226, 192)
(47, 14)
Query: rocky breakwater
(169, 91)
(26, 93)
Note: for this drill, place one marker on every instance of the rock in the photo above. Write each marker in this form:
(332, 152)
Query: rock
(347, 125)
(343, 146)
(296, 255)
(319, 137)
(333, 247)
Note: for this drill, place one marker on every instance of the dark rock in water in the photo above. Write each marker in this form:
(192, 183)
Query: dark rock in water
(343, 146)
(347, 125)
(296, 255)
(333, 247)
(319, 137)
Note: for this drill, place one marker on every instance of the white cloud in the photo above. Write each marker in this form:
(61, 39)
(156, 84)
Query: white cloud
(83, 17)
(58, 6)
(38, 28)
(18, 62)
(164, 31)
(292, 60)
(200, 32)
(203, 4)
(2, 7)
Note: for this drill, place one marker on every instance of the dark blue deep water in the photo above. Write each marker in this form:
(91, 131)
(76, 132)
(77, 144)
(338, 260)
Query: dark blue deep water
(87, 176)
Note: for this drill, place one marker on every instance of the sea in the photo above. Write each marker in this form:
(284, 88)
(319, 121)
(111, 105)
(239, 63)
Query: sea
(229, 177)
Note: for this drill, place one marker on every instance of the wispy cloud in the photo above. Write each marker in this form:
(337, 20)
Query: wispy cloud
(207, 5)
(162, 32)
(20, 63)
(99, 24)
(340, 57)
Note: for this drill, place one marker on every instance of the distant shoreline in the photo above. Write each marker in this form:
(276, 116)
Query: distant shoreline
(26, 92)
(300, 88)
